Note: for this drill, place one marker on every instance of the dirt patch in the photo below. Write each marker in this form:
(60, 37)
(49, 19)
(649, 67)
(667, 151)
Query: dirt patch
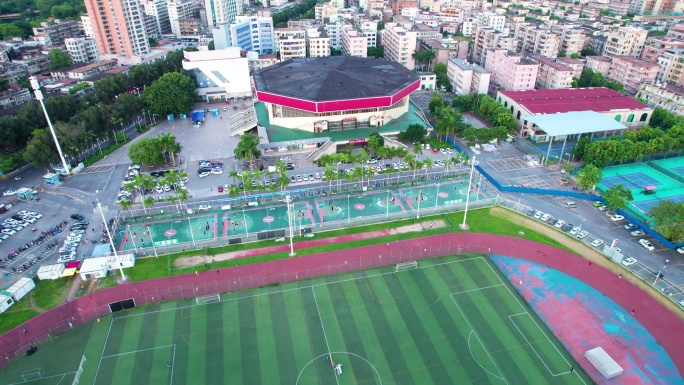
(188, 261)
(418, 227)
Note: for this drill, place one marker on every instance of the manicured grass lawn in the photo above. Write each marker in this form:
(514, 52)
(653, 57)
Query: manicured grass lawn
(21, 305)
(49, 293)
(13, 319)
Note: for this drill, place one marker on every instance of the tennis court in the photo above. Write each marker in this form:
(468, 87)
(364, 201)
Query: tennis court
(451, 320)
(661, 174)
(376, 204)
(438, 195)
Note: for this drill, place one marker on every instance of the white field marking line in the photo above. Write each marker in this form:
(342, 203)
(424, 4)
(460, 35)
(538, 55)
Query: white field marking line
(478, 338)
(477, 289)
(103, 350)
(40, 379)
(475, 358)
(173, 364)
(510, 317)
(137, 351)
(296, 288)
(535, 322)
(323, 327)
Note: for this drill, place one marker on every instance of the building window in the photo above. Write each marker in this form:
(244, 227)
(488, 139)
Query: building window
(618, 117)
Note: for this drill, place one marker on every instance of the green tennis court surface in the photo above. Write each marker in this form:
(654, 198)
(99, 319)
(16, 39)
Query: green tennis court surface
(448, 321)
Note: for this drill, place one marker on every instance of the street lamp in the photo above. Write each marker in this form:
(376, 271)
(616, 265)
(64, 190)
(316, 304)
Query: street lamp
(658, 275)
(419, 198)
(470, 183)
(111, 242)
(289, 222)
(39, 97)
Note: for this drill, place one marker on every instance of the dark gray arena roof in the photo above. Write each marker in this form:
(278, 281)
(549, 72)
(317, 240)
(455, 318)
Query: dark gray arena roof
(334, 78)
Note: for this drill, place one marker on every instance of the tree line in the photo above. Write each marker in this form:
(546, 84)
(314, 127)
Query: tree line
(80, 122)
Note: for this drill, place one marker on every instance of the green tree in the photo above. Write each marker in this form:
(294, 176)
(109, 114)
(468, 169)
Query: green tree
(146, 151)
(375, 142)
(153, 43)
(59, 59)
(581, 147)
(4, 84)
(668, 219)
(211, 46)
(562, 53)
(463, 103)
(247, 148)
(173, 93)
(618, 197)
(413, 133)
(589, 176)
(574, 55)
(440, 71)
(376, 52)
(40, 150)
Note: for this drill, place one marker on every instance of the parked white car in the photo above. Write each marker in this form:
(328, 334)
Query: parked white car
(629, 261)
(204, 174)
(616, 218)
(646, 244)
(9, 193)
(597, 242)
(559, 224)
(204, 208)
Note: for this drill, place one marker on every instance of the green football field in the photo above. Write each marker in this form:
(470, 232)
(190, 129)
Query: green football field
(449, 321)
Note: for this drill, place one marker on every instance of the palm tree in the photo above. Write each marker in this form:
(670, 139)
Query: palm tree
(429, 163)
(358, 173)
(280, 166)
(148, 202)
(169, 145)
(246, 181)
(125, 204)
(172, 199)
(416, 165)
(283, 181)
(142, 182)
(234, 192)
(172, 179)
(417, 150)
(329, 174)
(182, 195)
(258, 177)
(116, 121)
(234, 175)
(363, 156)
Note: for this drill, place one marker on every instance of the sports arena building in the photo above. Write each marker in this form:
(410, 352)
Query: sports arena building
(334, 93)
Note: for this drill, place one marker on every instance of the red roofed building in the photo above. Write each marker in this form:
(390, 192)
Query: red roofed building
(622, 108)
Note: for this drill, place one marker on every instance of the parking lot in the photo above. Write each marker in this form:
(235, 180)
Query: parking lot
(510, 164)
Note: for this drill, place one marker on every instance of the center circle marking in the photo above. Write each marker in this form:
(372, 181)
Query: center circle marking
(443, 195)
(170, 233)
(268, 219)
(359, 206)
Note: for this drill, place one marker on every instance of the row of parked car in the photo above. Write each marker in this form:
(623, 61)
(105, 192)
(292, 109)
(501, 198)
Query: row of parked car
(68, 251)
(18, 222)
(209, 167)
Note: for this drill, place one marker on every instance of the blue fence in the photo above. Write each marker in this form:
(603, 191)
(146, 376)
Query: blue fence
(526, 190)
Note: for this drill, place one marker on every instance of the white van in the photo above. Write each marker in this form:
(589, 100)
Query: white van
(569, 205)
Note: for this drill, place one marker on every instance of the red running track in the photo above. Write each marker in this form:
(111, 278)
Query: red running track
(665, 326)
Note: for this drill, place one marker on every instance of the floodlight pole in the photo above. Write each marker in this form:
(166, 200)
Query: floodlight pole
(192, 234)
(111, 242)
(39, 97)
(245, 220)
(470, 182)
(437, 197)
(132, 238)
(387, 202)
(152, 240)
(419, 198)
(289, 222)
(348, 210)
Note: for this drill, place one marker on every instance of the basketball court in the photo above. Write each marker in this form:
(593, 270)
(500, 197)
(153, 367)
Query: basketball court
(438, 195)
(358, 206)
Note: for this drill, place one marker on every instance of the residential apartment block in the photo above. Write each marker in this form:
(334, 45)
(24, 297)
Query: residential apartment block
(291, 43)
(658, 46)
(178, 10)
(626, 41)
(57, 31)
(87, 27)
(369, 28)
(467, 78)
(572, 40)
(399, 44)
(576, 64)
(552, 74)
(487, 38)
(321, 11)
(653, 7)
(671, 67)
(599, 64)
(222, 11)
(82, 50)
(251, 33)
(318, 42)
(492, 20)
(632, 72)
(541, 41)
(354, 42)
(334, 31)
(663, 95)
(118, 27)
(158, 10)
(511, 71)
(11, 98)
(398, 5)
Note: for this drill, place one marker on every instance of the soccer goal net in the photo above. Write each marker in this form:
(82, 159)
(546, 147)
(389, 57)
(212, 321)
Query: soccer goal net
(406, 266)
(205, 299)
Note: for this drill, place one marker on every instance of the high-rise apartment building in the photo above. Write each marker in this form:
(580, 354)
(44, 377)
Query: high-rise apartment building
(87, 27)
(118, 27)
(541, 41)
(222, 11)
(399, 44)
(178, 10)
(552, 74)
(160, 12)
(492, 20)
(251, 33)
(632, 72)
(511, 71)
(671, 67)
(663, 95)
(82, 49)
(291, 43)
(467, 78)
(600, 64)
(487, 38)
(354, 43)
(653, 7)
(626, 41)
(334, 31)
(317, 42)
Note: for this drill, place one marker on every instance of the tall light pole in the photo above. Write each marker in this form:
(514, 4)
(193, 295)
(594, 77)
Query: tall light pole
(470, 182)
(149, 232)
(348, 210)
(658, 275)
(419, 198)
(289, 222)
(437, 197)
(39, 97)
(111, 242)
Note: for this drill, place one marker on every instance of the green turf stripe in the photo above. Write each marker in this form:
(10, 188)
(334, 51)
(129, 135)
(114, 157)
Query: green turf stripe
(163, 336)
(251, 366)
(117, 342)
(265, 338)
(197, 344)
(403, 286)
(95, 339)
(447, 339)
(320, 369)
(141, 368)
(232, 357)
(214, 340)
(348, 331)
(393, 345)
(284, 347)
(298, 333)
(180, 335)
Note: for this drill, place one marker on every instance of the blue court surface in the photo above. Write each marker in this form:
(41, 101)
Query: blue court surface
(630, 181)
(645, 206)
(678, 170)
(556, 149)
